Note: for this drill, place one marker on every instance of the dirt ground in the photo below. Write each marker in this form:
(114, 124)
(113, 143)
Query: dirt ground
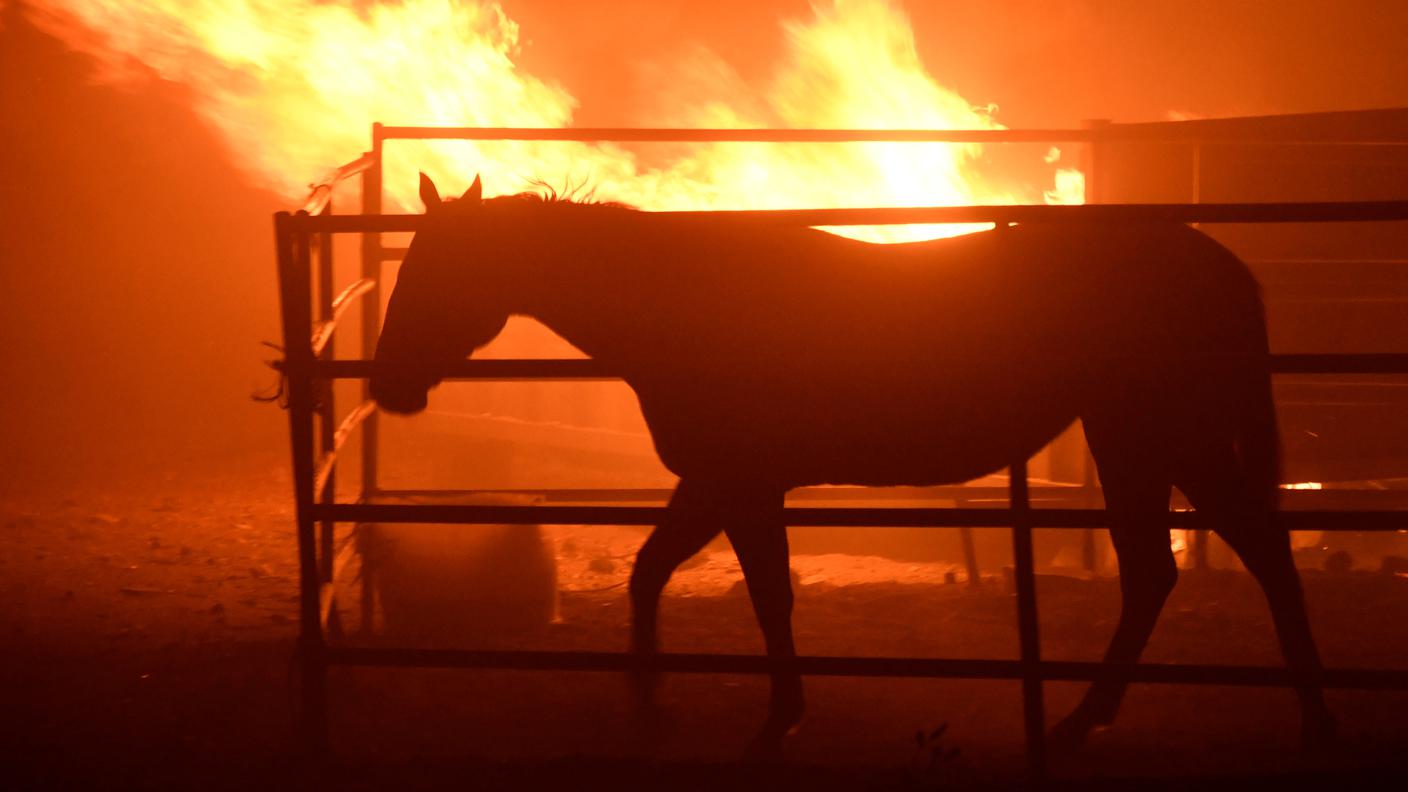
(147, 630)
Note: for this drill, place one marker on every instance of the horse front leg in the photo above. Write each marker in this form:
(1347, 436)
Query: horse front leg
(691, 520)
(759, 538)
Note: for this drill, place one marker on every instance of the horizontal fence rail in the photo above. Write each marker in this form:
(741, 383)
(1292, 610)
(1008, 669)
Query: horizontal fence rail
(893, 667)
(1301, 212)
(586, 369)
(1292, 498)
(830, 517)
(1131, 133)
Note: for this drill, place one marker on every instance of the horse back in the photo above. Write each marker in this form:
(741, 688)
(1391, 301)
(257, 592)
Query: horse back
(819, 359)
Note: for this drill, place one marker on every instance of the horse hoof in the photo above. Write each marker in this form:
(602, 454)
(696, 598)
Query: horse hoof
(766, 747)
(1069, 735)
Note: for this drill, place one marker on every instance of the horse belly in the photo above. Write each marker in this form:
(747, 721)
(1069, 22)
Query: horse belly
(909, 436)
(945, 449)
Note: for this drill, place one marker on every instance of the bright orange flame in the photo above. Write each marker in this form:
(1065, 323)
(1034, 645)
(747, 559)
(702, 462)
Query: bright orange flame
(293, 87)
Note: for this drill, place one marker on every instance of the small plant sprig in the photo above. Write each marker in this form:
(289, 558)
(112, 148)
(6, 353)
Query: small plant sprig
(933, 757)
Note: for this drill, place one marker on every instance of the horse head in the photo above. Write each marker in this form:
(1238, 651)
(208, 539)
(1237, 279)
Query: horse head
(441, 309)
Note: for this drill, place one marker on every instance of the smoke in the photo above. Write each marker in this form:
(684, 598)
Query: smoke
(293, 87)
(135, 278)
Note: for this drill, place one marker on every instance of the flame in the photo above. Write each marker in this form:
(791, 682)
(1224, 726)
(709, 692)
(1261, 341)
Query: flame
(854, 65)
(293, 87)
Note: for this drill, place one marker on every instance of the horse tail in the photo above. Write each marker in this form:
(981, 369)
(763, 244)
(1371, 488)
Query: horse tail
(1257, 438)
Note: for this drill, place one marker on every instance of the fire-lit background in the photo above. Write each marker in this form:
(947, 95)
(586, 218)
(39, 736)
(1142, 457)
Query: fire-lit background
(144, 145)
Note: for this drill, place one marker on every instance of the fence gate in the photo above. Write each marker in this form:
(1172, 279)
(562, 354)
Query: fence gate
(312, 305)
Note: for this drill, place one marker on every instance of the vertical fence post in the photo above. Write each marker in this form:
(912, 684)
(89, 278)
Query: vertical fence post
(1092, 159)
(295, 281)
(970, 551)
(371, 307)
(327, 409)
(1033, 706)
(1197, 175)
(1197, 541)
(1093, 165)
(371, 328)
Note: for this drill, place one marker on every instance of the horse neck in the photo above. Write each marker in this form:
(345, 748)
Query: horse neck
(578, 271)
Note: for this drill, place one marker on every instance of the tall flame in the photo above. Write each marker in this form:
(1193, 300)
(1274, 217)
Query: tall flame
(293, 87)
(855, 65)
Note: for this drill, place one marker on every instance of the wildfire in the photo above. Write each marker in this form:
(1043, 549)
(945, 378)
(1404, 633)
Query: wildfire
(293, 87)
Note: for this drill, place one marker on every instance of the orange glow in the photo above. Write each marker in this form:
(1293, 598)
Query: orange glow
(293, 88)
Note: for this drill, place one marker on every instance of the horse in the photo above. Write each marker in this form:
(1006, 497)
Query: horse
(766, 358)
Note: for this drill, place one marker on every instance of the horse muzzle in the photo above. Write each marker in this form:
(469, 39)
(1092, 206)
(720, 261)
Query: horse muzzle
(400, 392)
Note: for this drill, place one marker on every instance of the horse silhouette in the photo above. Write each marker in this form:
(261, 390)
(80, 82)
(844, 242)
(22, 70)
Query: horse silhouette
(767, 358)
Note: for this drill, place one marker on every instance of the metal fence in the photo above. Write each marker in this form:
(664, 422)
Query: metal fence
(312, 307)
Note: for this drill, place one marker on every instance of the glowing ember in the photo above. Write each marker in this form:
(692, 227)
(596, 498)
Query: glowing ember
(293, 87)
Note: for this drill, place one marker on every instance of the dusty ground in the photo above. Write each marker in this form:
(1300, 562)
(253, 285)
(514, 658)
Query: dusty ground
(147, 630)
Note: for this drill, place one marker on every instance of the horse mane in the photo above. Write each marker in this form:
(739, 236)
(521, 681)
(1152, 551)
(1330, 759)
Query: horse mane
(577, 194)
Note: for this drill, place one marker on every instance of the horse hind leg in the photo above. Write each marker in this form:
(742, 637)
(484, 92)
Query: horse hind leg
(759, 537)
(1136, 500)
(1216, 486)
(691, 520)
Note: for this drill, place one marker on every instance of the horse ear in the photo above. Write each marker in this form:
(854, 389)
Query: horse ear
(428, 194)
(475, 193)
